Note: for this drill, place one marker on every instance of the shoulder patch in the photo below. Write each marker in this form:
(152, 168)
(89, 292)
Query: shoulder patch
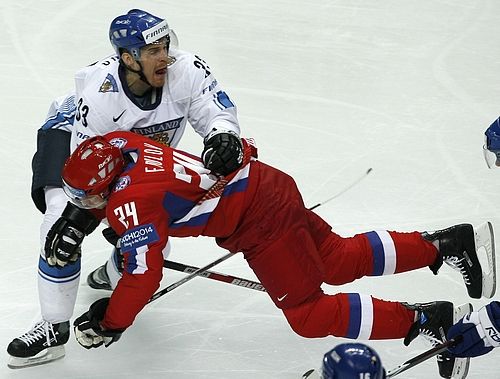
(122, 183)
(109, 84)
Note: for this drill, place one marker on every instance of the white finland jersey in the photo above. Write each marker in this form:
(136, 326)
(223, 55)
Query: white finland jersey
(191, 93)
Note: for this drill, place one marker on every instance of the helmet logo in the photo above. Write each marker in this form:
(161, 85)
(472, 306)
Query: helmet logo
(155, 33)
(118, 142)
(101, 165)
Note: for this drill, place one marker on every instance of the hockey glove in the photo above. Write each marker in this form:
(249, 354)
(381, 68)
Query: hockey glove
(111, 236)
(63, 241)
(480, 331)
(223, 152)
(114, 239)
(88, 330)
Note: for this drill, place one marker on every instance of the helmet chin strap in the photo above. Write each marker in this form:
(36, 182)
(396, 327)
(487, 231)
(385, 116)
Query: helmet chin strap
(139, 72)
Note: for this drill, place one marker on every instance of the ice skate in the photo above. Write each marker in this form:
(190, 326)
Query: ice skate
(42, 344)
(99, 279)
(458, 247)
(433, 321)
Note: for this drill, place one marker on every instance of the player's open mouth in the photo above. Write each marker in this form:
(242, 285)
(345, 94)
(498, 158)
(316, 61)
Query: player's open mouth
(161, 71)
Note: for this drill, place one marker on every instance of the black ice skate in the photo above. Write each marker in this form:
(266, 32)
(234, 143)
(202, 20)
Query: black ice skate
(457, 248)
(99, 279)
(433, 321)
(42, 344)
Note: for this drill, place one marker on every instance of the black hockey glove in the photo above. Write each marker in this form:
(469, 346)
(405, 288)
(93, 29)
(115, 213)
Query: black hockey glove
(114, 239)
(63, 241)
(111, 236)
(88, 330)
(223, 152)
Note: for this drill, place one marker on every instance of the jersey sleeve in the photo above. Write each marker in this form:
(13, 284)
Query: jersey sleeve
(61, 113)
(211, 106)
(144, 235)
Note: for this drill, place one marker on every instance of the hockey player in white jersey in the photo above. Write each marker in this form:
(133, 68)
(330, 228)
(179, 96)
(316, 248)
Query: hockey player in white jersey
(149, 87)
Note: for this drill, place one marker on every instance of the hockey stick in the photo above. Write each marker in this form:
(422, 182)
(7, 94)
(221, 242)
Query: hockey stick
(189, 277)
(215, 276)
(344, 190)
(423, 357)
(200, 271)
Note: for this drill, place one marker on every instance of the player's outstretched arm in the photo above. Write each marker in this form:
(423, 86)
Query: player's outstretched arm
(480, 331)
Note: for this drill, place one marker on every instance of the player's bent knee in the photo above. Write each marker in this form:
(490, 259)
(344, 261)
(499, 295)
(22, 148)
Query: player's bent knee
(303, 321)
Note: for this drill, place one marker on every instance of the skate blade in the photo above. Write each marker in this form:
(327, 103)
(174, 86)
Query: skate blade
(460, 311)
(461, 366)
(485, 247)
(46, 356)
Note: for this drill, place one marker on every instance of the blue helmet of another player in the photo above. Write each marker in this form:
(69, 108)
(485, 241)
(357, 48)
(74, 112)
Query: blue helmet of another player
(137, 29)
(352, 361)
(491, 148)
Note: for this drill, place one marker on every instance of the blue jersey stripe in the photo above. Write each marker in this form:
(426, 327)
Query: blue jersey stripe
(378, 253)
(59, 121)
(176, 206)
(239, 186)
(199, 220)
(64, 274)
(354, 315)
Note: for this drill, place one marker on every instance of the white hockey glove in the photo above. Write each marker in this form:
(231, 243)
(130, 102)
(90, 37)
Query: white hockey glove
(88, 330)
(480, 332)
(63, 241)
(223, 152)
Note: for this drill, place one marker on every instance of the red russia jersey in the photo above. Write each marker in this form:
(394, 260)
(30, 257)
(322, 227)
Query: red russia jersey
(165, 192)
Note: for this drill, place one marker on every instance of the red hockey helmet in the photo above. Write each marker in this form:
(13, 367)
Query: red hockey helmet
(90, 171)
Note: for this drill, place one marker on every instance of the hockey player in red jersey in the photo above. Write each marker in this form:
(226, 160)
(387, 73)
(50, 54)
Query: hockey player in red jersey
(149, 192)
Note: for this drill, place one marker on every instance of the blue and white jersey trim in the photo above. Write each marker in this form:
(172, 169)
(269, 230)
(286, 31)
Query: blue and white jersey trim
(200, 213)
(65, 274)
(61, 114)
(361, 316)
(384, 253)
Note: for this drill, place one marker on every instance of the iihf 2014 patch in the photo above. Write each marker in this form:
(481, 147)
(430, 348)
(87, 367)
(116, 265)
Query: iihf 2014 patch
(118, 142)
(122, 183)
(109, 84)
(139, 236)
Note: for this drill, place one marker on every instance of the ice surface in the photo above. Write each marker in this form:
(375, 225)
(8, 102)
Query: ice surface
(327, 89)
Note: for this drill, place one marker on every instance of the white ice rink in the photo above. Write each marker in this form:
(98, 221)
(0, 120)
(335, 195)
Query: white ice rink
(328, 89)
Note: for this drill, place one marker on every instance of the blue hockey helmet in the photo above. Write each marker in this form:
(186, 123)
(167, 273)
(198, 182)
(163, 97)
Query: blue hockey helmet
(136, 29)
(491, 148)
(352, 361)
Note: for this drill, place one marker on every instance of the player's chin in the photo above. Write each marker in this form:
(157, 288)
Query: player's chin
(159, 77)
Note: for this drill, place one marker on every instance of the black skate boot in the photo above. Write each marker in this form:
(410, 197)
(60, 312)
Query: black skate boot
(457, 248)
(42, 344)
(433, 321)
(99, 279)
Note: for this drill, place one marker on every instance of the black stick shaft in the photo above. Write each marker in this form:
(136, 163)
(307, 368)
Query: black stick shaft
(189, 277)
(215, 276)
(343, 190)
(423, 357)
